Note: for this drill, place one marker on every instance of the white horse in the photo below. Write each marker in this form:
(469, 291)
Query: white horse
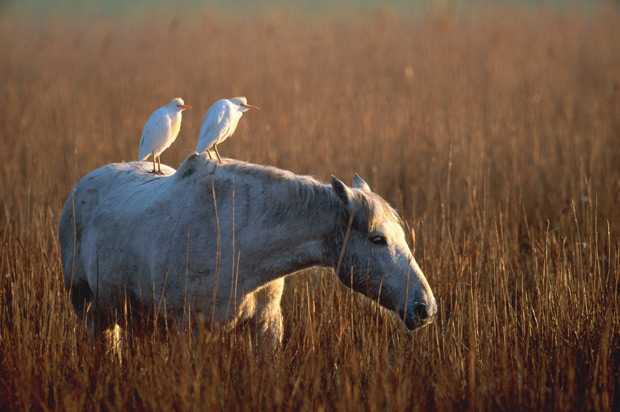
(219, 239)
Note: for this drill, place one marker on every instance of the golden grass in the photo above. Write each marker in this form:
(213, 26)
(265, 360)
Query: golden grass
(496, 135)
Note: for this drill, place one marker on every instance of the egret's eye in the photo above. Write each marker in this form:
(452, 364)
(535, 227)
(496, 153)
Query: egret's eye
(378, 240)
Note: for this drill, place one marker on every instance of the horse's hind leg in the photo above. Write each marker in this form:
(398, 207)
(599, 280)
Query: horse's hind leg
(113, 342)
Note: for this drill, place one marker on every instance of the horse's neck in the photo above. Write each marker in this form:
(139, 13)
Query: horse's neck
(304, 230)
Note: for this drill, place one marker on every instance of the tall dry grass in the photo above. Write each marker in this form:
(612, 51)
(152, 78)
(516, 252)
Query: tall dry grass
(496, 135)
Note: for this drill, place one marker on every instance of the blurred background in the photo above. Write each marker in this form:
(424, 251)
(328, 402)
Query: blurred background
(405, 95)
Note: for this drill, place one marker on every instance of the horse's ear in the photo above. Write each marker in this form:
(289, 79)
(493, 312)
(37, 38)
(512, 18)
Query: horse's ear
(343, 192)
(359, 183)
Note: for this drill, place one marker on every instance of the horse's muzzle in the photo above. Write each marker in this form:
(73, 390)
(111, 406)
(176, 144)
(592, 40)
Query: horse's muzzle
(421, 314)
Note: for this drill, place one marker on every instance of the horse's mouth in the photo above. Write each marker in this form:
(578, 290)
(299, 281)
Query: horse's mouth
(421, 317)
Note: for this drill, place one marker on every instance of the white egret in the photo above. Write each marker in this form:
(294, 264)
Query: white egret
(220, 123)
(161, 130)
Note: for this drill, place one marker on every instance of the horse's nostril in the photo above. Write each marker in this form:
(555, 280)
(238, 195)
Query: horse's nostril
(420, 311)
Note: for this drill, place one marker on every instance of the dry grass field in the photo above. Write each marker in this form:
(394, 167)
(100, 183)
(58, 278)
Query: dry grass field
(495, 134)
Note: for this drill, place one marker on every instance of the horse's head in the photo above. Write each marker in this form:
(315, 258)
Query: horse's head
(374, 256)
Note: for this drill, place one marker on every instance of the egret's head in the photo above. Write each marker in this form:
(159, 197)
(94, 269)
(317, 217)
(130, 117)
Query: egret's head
(242, 102)
(178, 104)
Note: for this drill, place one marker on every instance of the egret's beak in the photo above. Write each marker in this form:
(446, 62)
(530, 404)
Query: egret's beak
(249, 106)
(185, 106)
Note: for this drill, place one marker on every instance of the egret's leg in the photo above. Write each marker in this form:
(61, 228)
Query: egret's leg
(154, 170)
(217, 153)
(158, 166)
(209, 153)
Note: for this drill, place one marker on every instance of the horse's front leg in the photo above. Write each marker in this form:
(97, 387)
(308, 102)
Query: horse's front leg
(261, 310)
(268, 314)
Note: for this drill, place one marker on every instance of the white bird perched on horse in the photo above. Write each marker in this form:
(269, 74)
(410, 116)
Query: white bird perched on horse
(220, 123)
(161, 130)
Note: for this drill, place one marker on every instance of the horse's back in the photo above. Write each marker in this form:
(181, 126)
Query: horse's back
(119, 181)
(108, 189)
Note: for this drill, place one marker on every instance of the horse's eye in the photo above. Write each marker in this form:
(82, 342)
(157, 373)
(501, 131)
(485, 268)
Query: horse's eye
(378, 240)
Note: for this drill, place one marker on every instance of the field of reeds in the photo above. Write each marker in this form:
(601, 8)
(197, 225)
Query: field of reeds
(495, 133)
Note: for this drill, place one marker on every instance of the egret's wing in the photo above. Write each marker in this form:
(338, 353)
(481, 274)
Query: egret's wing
(215, 126)
(155, 133)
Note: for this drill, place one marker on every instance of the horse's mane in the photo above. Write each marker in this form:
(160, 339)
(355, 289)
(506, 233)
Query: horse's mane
(202, 164)
(301, 188)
